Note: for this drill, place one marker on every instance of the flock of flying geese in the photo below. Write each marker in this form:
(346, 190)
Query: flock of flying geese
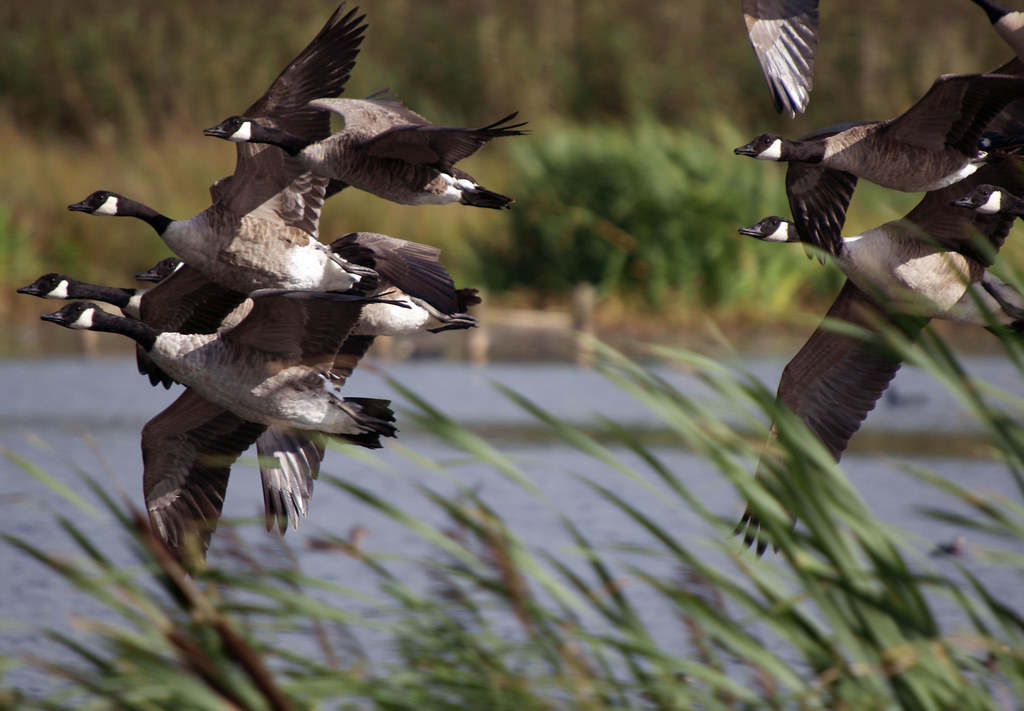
(263, 323)
(259, 320)
(960, 144)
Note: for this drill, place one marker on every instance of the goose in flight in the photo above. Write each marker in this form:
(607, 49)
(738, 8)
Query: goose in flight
(385, 149)
(931, 264)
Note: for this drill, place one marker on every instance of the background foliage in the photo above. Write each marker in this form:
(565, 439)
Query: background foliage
(628, 179)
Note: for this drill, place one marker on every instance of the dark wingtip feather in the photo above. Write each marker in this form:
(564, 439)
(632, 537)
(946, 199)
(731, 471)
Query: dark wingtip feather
(482, 197)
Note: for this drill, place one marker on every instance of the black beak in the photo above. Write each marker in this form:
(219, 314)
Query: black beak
(747, 150)
(217, 131)
(54, 317)
(963, 202)
(149, 275)
(31, 289)
(79, 207)
(751, 232)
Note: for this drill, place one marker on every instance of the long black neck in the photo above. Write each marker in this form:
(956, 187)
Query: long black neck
(154, 219)
(113, 295)
(994, 11)
(1015, 206)
(289, 142)
(138, 331)
(805, 151)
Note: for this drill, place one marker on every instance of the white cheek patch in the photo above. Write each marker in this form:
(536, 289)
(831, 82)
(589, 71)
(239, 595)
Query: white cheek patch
(58, 292)
(84, 320)
(243, 134)
(781, 233)
(772, 152)
(109, 207)
(992, 205)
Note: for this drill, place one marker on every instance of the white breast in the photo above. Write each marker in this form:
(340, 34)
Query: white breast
(927, 283)
(391, 320)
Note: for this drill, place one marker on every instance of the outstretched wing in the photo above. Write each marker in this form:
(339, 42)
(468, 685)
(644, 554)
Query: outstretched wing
(187, 453)
(784, 34)
(836, 379)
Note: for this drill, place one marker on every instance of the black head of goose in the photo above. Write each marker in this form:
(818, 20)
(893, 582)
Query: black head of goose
(932, 144)
(1009, 24)
(784, 35)
(988, 199)
(385, 149)
(161, 270)
(929, 264)
(261, 232)
(274, 368)
(61, 286)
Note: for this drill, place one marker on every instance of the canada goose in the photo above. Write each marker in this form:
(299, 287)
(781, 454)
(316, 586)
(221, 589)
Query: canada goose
(384, 149)
(288, 464)
(1008, 24)
(932, 144)
(188, 303)
(274, 368)
(261, 232)
(902, 273)
(784, 35)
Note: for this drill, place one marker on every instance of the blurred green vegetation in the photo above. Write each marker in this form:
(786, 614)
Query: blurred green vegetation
(646, 209)
(627, 179)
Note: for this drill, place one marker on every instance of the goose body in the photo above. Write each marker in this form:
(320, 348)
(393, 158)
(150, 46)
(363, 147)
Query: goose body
(246, 252)
(930, 146)
(385, 149)
(784, 35)
(274, 368)
(899, 275)
(253, 369)
(289, 463)
(900, 268)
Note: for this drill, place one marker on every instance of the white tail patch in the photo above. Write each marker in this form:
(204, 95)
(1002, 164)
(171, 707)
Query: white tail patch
(332, 389)
(109, 206)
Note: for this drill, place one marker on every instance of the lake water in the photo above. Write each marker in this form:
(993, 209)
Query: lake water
(84, 415)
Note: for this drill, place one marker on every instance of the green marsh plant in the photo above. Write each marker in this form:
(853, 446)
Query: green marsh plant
(841, 616)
